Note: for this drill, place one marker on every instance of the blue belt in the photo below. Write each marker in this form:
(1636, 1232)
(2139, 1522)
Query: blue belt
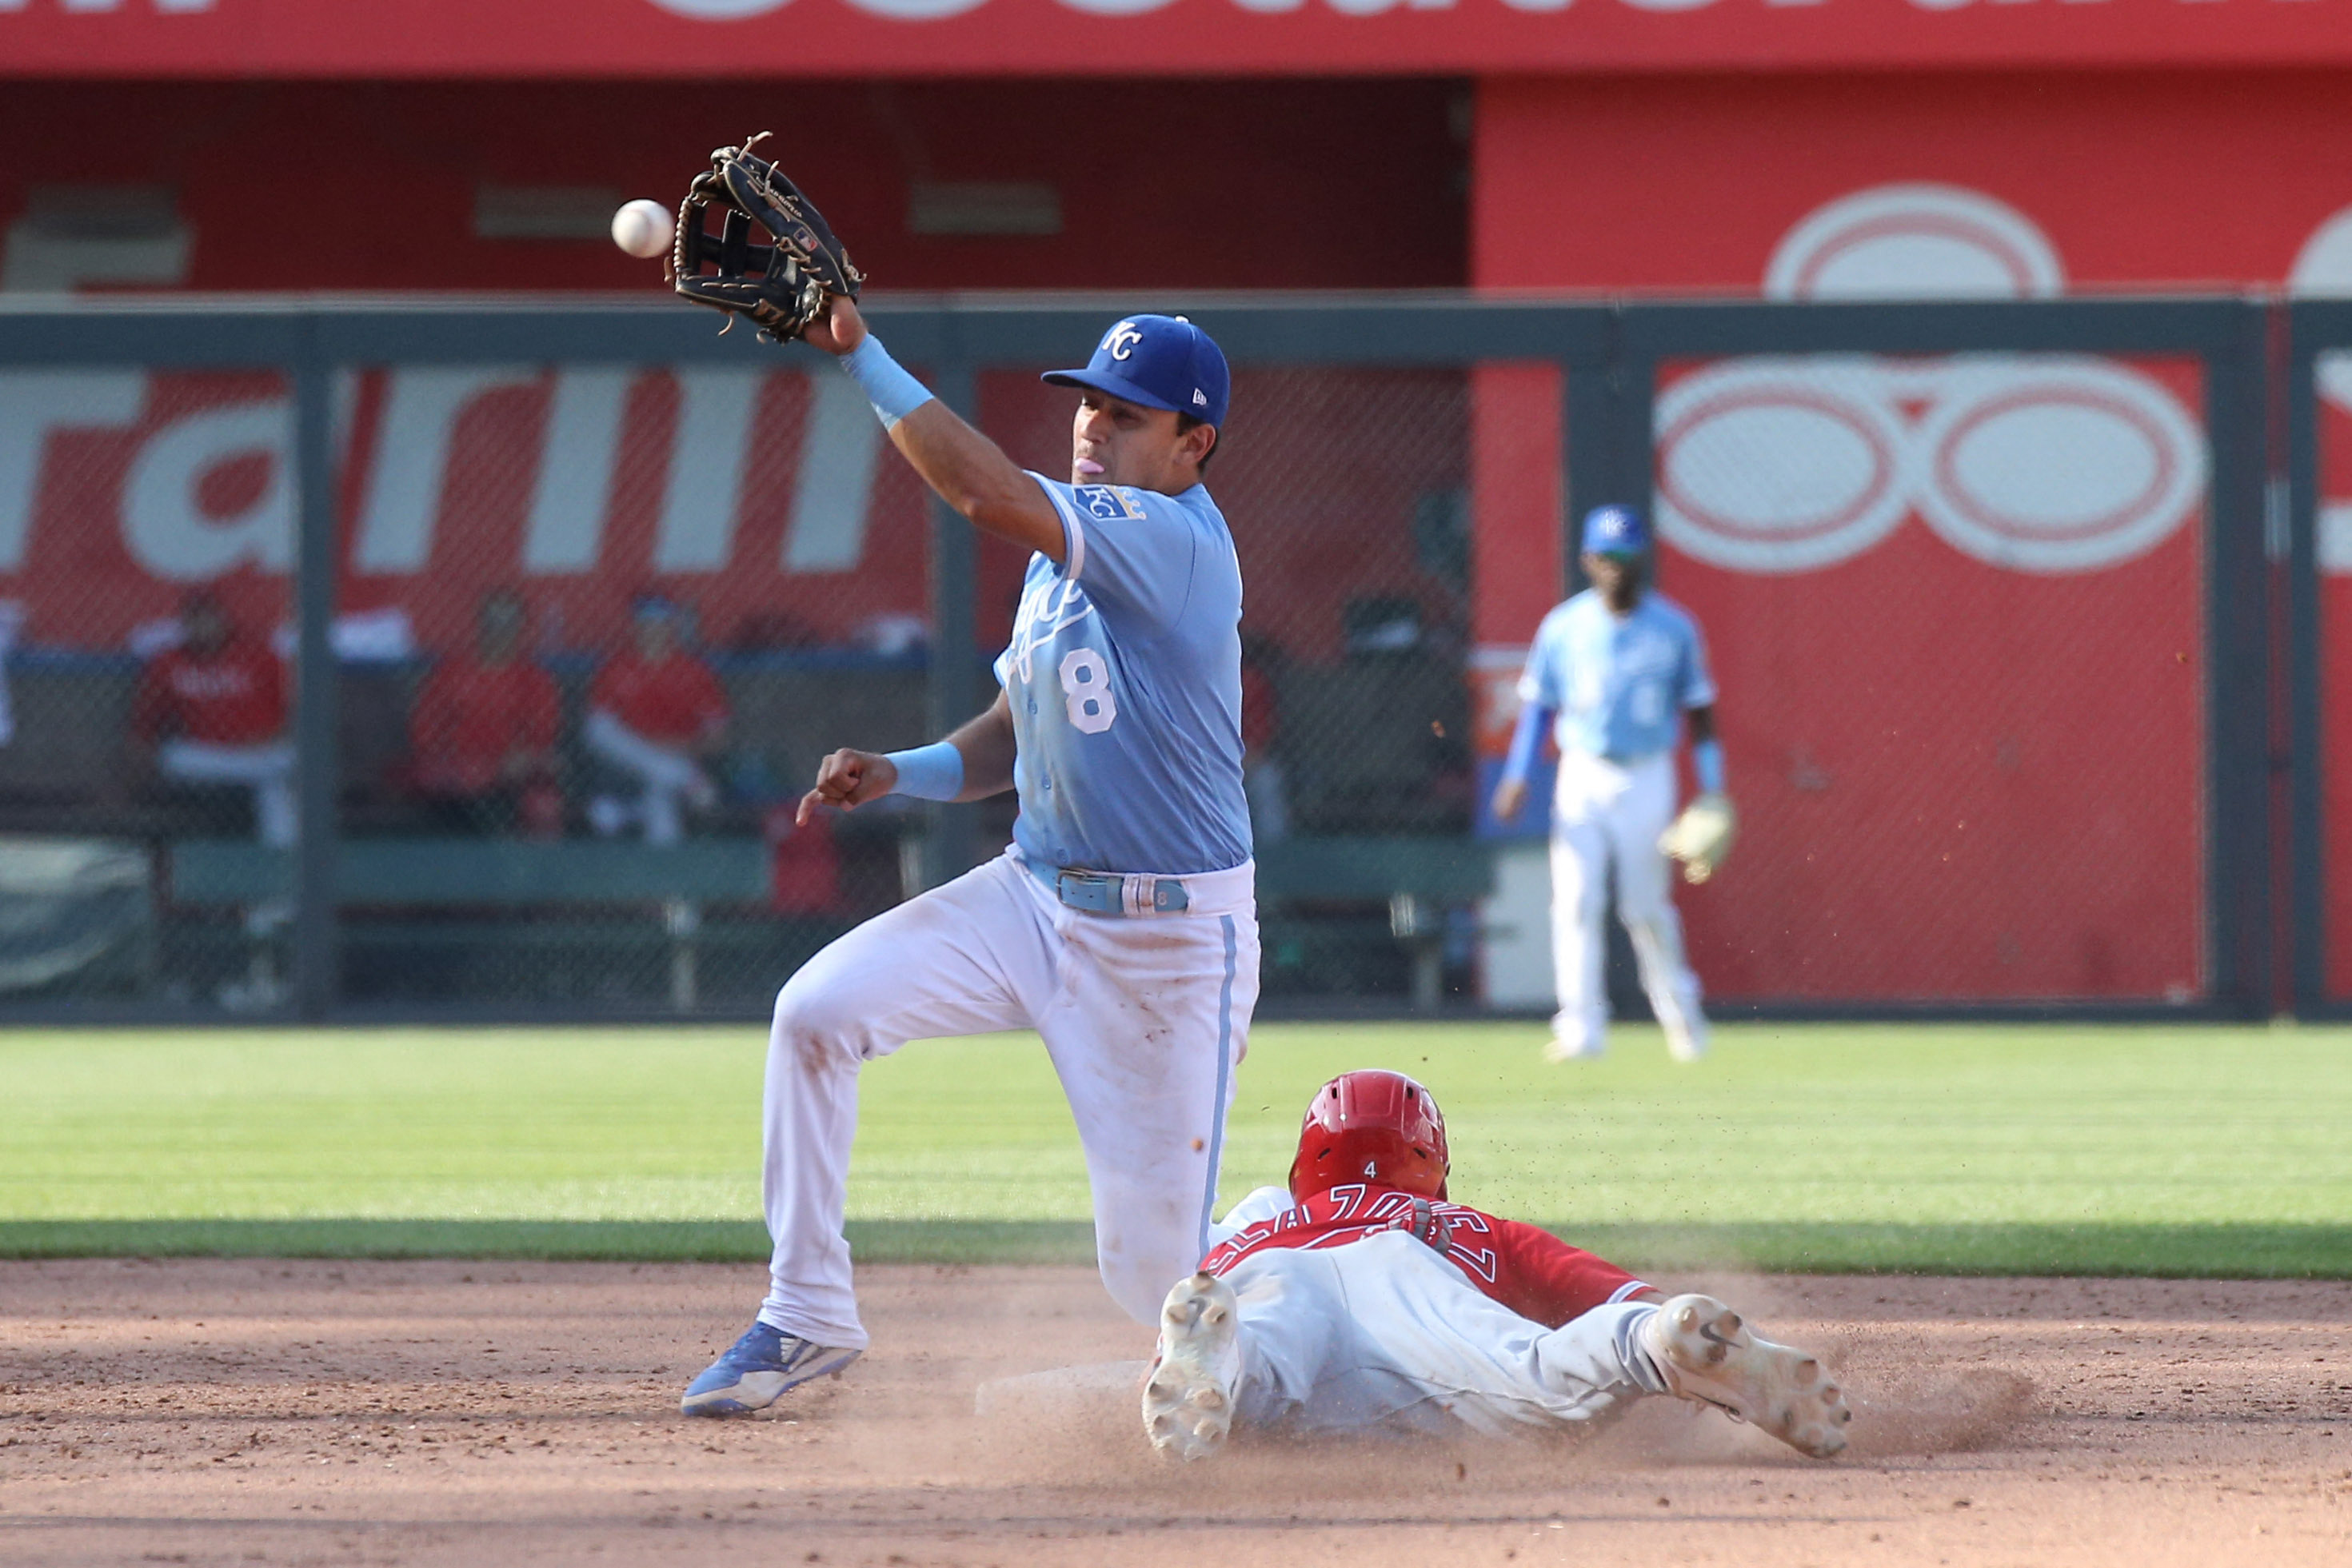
(1104, 892)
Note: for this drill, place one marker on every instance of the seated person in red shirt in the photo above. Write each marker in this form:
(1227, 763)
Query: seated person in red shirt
(654, 713)
(482, 734)
(1361, 1299)
(212, 710)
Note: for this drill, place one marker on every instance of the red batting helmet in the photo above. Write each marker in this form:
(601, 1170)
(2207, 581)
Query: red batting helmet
(1374, 1126)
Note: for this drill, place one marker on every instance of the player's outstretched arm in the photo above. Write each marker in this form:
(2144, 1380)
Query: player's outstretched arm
(968, 470)
(1511, 791)
(972, 764)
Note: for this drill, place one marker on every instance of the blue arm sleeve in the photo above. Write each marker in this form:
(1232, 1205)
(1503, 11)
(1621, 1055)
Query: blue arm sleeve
(933, 772)
(1535, 722)
(894, 394)
(1707, 762)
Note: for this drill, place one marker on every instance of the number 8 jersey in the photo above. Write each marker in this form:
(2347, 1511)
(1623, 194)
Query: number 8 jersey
(1125, 681)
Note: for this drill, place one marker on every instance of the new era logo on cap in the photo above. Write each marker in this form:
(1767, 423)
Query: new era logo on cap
(1199, 398)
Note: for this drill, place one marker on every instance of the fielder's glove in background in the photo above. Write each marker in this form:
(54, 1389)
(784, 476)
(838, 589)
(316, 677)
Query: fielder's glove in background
(1701, 837)
(781, 286)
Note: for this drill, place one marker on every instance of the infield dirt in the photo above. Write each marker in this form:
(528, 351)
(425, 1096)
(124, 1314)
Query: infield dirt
(269, 1411)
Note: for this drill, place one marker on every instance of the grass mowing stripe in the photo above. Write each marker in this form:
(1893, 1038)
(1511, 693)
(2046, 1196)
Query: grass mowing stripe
(2192, 1251)
(2192, 1150)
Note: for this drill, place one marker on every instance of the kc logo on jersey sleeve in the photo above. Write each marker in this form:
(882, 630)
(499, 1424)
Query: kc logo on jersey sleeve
(1108, 503)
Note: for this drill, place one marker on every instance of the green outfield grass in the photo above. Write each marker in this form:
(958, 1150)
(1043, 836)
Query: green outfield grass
(2198, 1151)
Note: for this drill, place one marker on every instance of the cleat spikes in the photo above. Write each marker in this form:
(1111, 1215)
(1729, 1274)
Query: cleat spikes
(1187, 1399)
(1710, 1356)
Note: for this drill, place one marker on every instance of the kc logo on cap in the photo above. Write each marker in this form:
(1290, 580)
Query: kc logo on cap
(1155, 362)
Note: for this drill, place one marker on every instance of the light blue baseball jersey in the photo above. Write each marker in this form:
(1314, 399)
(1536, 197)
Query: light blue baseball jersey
(1124, 675)
(1619, 685)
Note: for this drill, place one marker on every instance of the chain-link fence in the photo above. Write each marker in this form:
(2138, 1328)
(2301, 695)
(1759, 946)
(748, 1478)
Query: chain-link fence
(150, 677)
(604, 589)
(2319, 398)
(617, 613)
(1957, 606)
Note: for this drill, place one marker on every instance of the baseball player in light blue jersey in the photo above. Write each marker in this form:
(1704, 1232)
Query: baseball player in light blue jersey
(1611, 674)
(1122, 923)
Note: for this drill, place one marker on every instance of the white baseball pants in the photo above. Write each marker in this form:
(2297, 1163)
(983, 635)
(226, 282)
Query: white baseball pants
(1383, 1333)
(1144, 1018)
(1605, 815)
(268, 769)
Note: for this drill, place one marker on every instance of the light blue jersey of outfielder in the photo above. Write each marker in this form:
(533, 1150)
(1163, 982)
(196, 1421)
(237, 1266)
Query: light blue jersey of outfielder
(1620, 684)
(1124, 675)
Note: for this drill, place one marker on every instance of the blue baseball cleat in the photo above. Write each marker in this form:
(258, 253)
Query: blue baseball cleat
(757, 1372)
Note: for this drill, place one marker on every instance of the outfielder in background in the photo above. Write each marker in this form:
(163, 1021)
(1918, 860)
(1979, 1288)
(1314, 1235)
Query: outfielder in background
(1361, 1299)
(1611, 674)
(1121, 925)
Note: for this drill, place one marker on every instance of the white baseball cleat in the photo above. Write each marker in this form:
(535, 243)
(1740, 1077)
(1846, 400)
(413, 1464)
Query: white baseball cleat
(1709, 1354)
(1684, 1043)
(1188, 1399)
(1558, 1050)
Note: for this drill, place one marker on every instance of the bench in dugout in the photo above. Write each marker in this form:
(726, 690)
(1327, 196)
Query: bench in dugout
(516, 897)
(1421, 880)
(1418, 880)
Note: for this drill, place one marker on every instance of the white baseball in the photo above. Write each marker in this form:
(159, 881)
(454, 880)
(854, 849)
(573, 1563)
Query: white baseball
(642, 229)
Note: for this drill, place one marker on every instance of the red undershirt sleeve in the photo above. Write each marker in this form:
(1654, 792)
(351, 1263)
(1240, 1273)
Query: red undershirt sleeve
(1543, 1277)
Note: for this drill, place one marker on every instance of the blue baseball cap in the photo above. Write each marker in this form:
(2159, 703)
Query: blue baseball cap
(1159, 361)
(1614, 530)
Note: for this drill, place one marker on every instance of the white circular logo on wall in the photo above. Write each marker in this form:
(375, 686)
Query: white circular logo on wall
(2322, 268)
(1916, 242)
(720, 10)
(1775, 464)
(2045, 464)
(2039, 463)
(896, 10)
(2034, 463)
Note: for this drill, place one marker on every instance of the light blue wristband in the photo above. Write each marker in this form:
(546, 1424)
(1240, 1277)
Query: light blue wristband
(933, 772)
(894, 394)
(1706, 761)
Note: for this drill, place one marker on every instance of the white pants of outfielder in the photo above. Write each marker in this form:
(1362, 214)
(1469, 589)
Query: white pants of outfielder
(1144, 1018)
(268, 769)
(1383, 1333)
(666, 773)
(1606, 815)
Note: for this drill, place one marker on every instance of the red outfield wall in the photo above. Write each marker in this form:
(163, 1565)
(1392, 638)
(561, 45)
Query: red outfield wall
(1962, 695)
(703, 38)
(2017, 690)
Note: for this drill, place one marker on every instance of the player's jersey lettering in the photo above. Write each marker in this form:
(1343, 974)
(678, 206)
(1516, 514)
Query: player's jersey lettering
(1531, 1271)
(1123, 680)
(1619, 684)
(1046, 607)
(1479, 1260)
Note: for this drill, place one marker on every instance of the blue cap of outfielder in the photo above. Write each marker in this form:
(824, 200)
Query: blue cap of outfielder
(1159, 361)
(1614, 530)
